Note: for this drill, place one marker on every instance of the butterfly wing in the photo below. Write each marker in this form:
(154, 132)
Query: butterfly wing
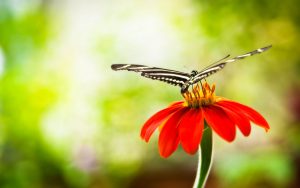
(217, 67)
(166, 75)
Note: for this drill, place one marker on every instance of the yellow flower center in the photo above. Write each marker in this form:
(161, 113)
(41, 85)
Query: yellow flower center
(200, 96)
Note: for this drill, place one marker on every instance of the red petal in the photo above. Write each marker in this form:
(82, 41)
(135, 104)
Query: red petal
(190, 130)
(239, 119)
(219, 121)
(251, 114)
(153, 122)
(176, 103)
(168, 138)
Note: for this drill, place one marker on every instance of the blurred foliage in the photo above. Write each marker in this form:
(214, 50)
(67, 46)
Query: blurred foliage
(22, 32)
(67, 120)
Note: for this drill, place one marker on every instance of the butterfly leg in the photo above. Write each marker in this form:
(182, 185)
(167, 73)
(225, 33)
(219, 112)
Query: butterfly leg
(202, 85)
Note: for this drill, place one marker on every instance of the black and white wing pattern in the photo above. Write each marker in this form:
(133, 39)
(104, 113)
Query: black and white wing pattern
(166, 75)
(219, 66)
(184, 80)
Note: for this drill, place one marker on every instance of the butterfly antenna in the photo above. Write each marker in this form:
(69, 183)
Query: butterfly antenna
(227, 56)
(222, 59)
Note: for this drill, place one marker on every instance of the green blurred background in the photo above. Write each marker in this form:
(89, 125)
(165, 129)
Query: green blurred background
(68, 120)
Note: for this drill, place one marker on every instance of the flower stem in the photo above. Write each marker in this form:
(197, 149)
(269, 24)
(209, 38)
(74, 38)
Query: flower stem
(205, 158)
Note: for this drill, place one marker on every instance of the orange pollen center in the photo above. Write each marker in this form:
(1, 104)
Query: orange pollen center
(200, 96)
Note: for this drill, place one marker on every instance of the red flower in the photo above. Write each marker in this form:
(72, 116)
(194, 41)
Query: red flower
(183, 122)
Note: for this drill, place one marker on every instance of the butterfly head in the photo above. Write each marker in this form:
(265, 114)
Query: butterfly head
(194, 73)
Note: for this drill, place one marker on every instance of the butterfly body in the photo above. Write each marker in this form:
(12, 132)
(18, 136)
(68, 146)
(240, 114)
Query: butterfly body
(181, 79)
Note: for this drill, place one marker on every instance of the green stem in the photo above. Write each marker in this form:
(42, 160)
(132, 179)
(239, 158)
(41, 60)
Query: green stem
(205, 158)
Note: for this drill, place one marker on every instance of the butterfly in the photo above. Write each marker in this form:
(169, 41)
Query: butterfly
(182, 79)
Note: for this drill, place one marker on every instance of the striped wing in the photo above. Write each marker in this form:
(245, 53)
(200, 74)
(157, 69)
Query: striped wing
(219, 66)
(166, 75)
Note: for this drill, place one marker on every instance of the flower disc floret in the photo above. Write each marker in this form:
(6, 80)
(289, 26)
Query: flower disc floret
(199, 97)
